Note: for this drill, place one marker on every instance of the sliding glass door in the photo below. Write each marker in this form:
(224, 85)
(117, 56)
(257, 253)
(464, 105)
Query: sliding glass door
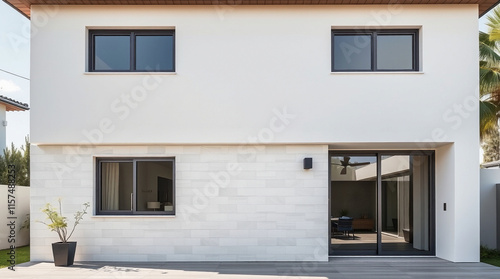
(387, 198)
(353, 194)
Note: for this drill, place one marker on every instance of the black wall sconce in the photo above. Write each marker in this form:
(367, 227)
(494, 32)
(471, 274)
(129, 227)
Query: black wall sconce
(308, 163)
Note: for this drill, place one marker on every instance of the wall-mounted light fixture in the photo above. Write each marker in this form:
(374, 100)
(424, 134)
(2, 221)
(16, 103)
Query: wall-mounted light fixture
(308, 163)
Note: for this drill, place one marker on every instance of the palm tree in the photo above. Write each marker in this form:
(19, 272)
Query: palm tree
(489, 84)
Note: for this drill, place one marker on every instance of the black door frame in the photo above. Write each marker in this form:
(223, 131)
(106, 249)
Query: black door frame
(431, 197)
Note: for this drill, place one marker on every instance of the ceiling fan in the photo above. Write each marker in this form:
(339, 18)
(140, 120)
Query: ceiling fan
(345, 163)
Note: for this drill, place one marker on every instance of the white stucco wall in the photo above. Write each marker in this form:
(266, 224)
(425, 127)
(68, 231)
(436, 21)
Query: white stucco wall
(239, 69)
(3, 129)
(21, 209)
(489, 179)
(234, 69)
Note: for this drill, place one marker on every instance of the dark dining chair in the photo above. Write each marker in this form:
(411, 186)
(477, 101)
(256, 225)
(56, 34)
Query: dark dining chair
(344, 225)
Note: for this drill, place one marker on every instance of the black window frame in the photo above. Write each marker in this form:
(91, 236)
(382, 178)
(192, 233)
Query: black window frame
(373, 34)
(132, 33)
(134, 161)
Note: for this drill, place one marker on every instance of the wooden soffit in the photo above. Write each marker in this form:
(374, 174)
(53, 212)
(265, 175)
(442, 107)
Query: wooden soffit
(23, 6)
(13, 105)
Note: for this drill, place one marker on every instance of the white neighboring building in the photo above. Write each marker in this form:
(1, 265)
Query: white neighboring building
(6, 105)
(187, 126)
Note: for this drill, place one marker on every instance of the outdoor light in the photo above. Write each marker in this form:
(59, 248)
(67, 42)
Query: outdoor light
(308, 163)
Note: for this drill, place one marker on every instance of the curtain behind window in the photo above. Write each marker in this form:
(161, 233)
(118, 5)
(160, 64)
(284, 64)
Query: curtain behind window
(110, 186)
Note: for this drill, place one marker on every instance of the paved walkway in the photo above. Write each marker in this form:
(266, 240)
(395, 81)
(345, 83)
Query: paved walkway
(428, 268)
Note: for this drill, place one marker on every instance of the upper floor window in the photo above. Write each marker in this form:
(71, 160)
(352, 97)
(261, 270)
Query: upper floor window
(381, 50)
(131, 51)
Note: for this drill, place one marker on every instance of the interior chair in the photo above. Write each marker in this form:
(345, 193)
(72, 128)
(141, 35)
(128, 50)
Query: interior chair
(344, 225)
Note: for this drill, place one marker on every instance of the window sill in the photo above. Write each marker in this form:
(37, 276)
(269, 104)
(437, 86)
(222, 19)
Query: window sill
(377, 73)
(128, 73)
(133, 216)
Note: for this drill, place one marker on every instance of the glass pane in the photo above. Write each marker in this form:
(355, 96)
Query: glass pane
(155, 190)
(112, 53)
(352, 52)
(405, 203)
(154, 53)
(116, 186)
(354, 195)
(394, 52)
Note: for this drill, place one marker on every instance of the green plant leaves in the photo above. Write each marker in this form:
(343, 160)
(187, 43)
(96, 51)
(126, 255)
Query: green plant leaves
(58, 223)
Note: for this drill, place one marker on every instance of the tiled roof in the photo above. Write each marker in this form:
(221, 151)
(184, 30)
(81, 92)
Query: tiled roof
(494, 164)
(23, 6)
(13, 105)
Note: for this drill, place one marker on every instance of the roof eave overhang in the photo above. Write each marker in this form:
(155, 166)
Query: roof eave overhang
(13, 105)
(25, 9)
(24, 6)
(15, 108)
(482, 13)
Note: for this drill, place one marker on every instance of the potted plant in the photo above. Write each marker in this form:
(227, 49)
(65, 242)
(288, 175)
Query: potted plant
(344, 212)
(63, 251)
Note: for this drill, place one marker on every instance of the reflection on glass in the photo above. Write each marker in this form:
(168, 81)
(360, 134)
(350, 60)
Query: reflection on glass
(405, 203)
(116, 186)
(352, 52)
(154, 53)
(354, 194)
(112, 53)
(154, 186)
(394, 52)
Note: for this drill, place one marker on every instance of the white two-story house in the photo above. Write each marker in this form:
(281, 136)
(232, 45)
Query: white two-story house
(245, 130)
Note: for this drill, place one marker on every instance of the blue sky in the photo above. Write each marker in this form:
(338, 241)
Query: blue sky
(482, 22)
(14, 58)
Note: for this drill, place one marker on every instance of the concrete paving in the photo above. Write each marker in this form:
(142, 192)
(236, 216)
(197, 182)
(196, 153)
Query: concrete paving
(343, 267)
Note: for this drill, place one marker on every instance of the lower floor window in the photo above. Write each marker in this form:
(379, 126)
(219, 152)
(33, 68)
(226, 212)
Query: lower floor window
(142, 186)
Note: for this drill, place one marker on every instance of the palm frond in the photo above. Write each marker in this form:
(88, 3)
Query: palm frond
(484, 38)
(494, 35)
(494, 19)
(488, 117)
(489, 79)
(488, 55)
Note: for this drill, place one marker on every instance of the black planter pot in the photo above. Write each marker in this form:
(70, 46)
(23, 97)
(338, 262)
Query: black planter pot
(64, 253)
